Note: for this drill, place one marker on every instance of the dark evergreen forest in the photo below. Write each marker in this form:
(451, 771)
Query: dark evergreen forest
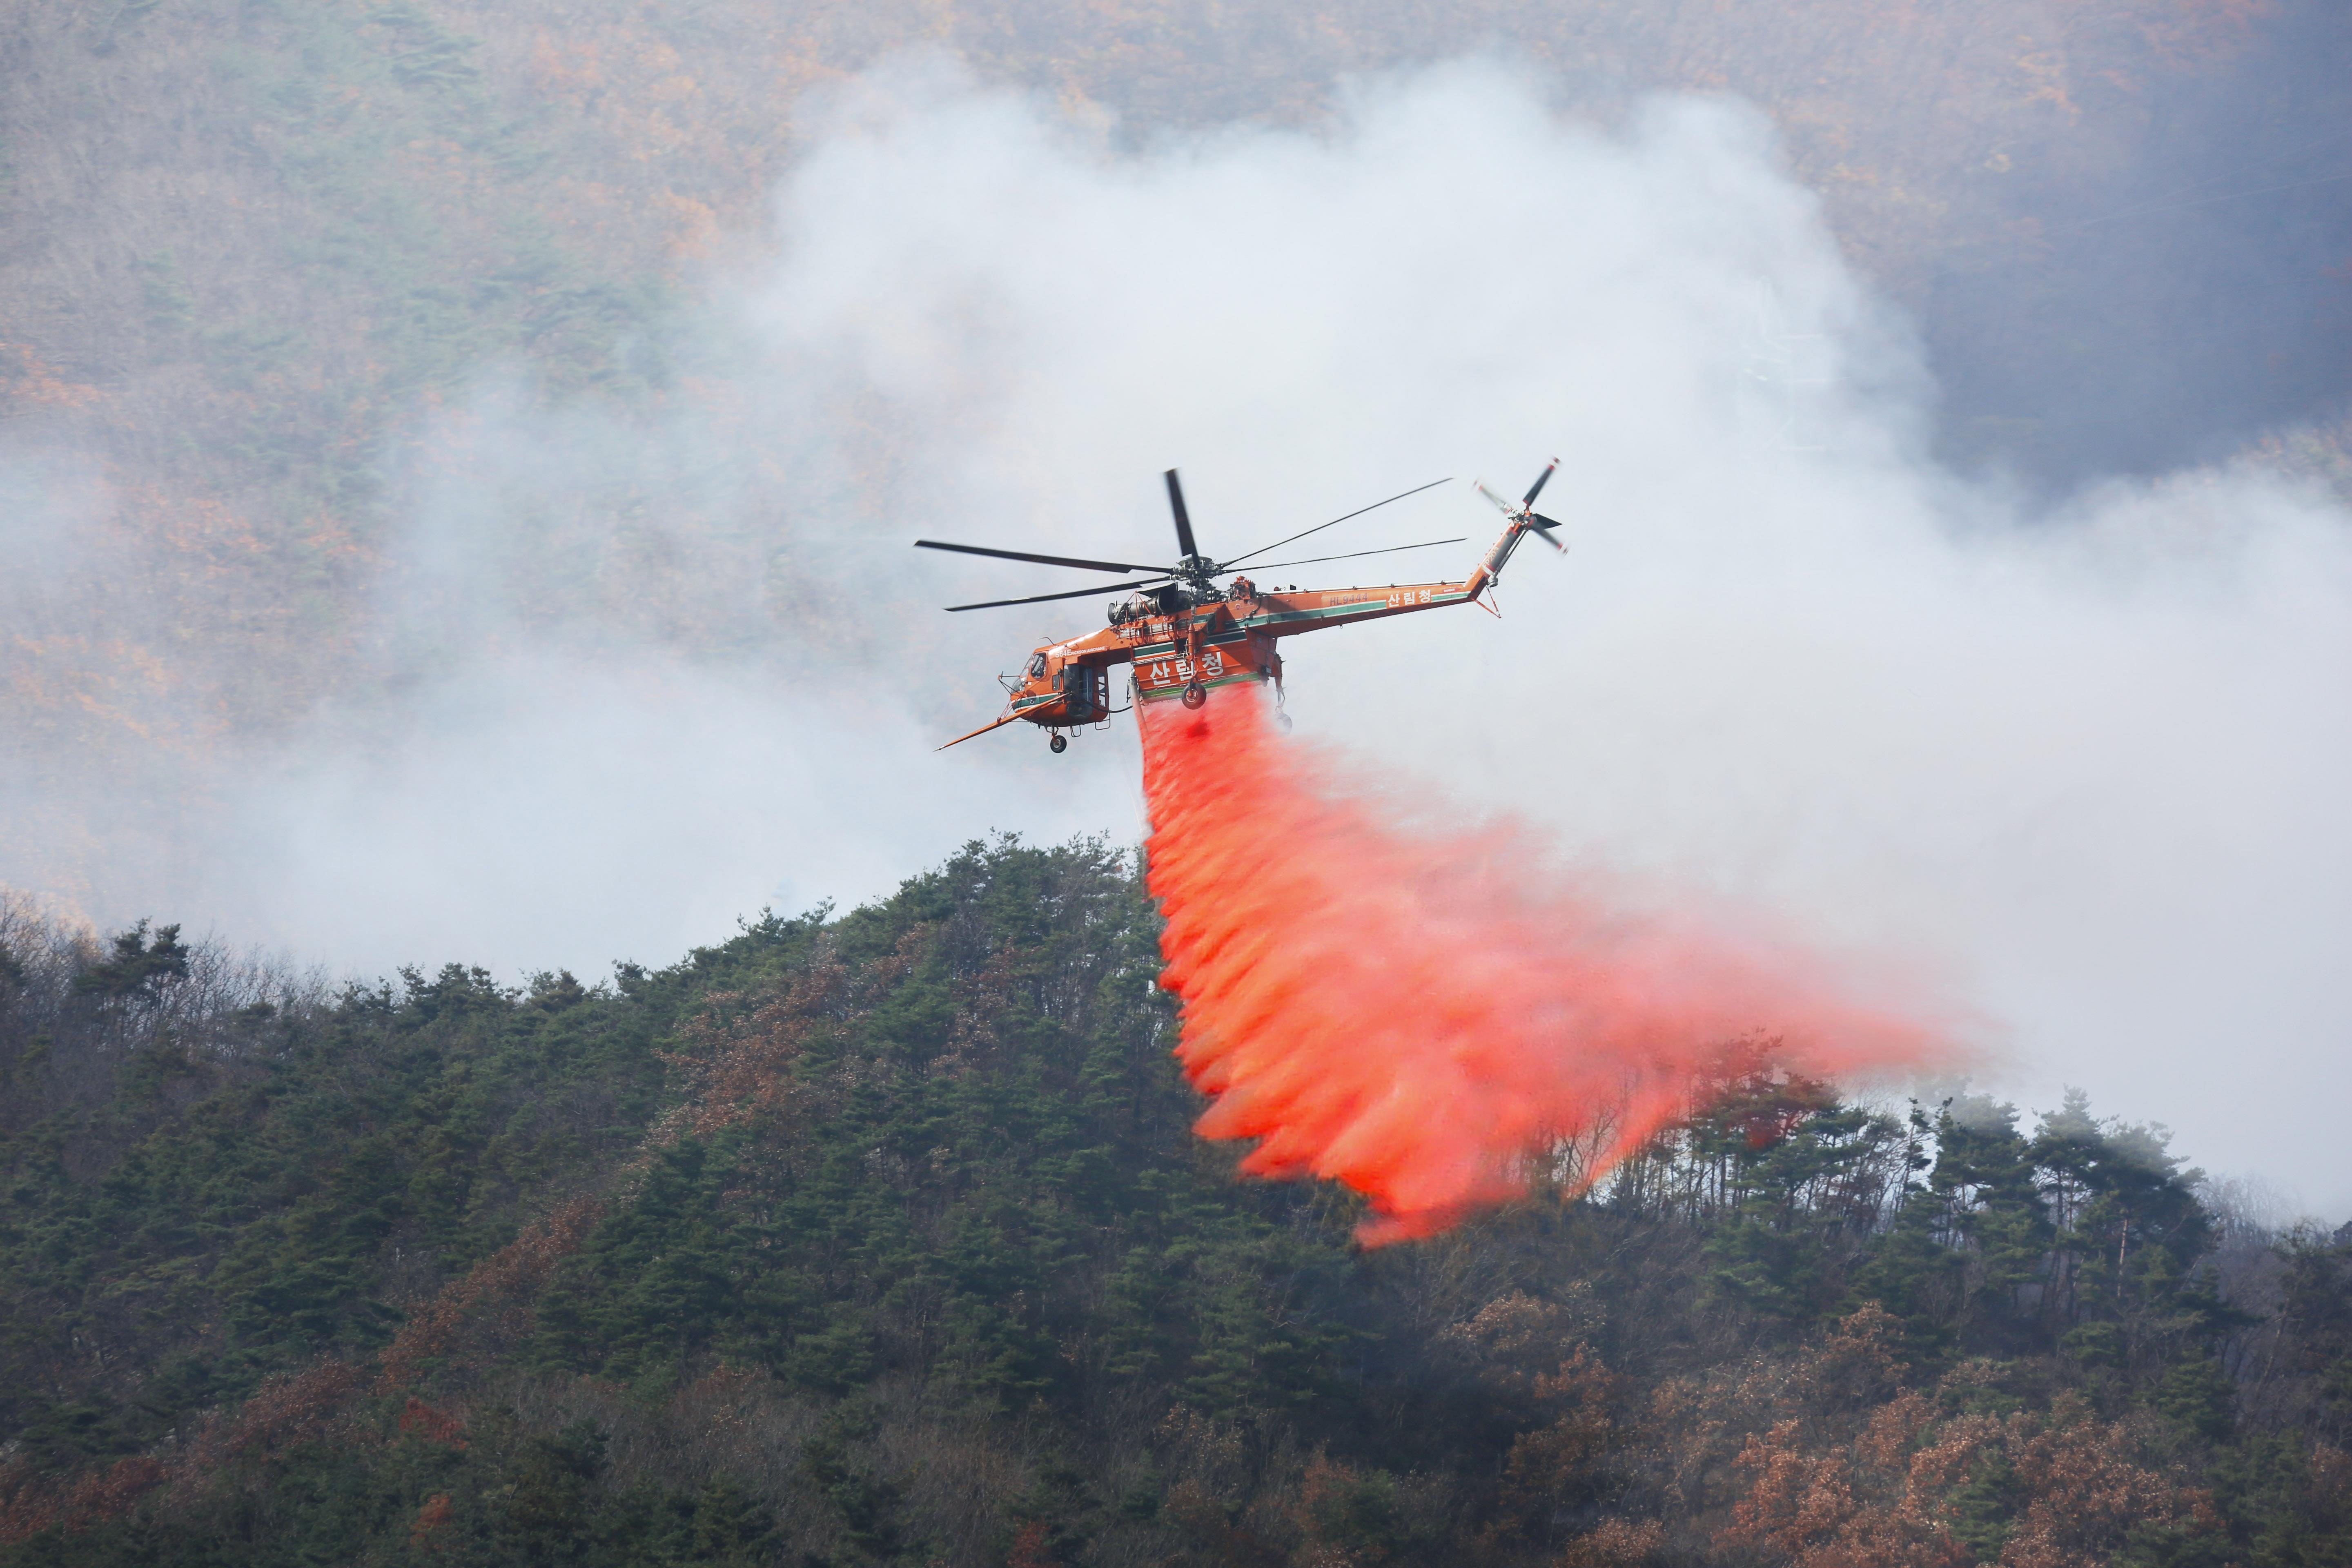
(882, 1238)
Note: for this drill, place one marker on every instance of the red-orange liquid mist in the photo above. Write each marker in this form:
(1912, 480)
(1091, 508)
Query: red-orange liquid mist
(1421, 1016)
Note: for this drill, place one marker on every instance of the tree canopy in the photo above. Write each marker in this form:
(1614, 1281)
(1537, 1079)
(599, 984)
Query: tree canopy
(882, 1238)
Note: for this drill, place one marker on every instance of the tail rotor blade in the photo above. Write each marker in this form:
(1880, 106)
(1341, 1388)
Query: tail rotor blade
(1541, 480)
(1506, 508)
(1183, 519)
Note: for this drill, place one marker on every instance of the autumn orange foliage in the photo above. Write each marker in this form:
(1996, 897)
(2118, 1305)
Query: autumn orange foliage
(1884, 1494)
(510, 1276)
(428, 1425)
(290, 1408)
(424, 1534)
(1423, 1016)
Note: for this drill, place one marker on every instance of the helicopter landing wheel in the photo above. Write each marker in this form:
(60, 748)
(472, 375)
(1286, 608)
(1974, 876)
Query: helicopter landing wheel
(1059, 743)
(1195, 695)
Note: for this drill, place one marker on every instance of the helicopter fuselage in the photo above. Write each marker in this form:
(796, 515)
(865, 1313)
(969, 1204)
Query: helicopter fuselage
(1186, 636)
(1227, 641)
(1201, 641)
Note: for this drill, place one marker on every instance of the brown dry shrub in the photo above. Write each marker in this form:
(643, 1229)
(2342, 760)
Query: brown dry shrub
(2088, 1491)
(510, 1276)
(287, 1410)
(291, 1408)
(1029, 1548)
(422, 1533)
(1195, 1511)
(31, 1503)
(1515, 1338)
(1884, 1496)
(1615, 1543)
(1564, 1458)
(736, 1054)
(1877, 1501)
(428, 1425)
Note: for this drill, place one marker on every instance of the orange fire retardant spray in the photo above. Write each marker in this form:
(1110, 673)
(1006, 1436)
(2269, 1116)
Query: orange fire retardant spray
(1427, 1016)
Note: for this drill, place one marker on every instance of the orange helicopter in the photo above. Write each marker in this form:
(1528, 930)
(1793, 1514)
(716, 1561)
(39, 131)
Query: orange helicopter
(1184, 634)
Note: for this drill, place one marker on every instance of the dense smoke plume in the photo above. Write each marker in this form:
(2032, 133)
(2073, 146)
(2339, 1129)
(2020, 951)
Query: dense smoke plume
(630, 675)
(1425, 1014)
(2085, 754)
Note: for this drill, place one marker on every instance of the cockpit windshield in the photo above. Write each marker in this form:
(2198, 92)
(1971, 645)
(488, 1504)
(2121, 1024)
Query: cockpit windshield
(1037, 667)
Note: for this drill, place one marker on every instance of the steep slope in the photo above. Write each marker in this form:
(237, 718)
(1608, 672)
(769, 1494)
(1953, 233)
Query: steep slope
(884, 1239)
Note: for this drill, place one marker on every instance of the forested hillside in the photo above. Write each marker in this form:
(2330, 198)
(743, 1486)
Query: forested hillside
(881, 1237)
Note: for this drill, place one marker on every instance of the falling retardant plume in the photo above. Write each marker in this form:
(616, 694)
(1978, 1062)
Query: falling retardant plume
(1419, 1016)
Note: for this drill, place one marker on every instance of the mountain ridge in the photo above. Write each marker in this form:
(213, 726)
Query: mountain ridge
(883, 1238)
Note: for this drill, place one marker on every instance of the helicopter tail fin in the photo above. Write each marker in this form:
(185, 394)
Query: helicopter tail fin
(1524, 522)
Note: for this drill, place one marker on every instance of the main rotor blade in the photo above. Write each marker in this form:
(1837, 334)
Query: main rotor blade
(1072, 593)
(1351, 555)
(1342, 518)
(1541, 480)
(1040, 560)
(1183, 519)
(1507, 508)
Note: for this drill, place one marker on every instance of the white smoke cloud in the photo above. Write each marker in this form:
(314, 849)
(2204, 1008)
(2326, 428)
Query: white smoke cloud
(641, 678)
(2086, 762)
(548, 810)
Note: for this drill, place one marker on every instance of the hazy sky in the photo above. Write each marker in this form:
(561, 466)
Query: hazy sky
(2084, 766)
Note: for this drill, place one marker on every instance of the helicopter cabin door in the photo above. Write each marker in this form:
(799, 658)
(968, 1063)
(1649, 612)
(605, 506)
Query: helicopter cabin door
(1084, 700)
